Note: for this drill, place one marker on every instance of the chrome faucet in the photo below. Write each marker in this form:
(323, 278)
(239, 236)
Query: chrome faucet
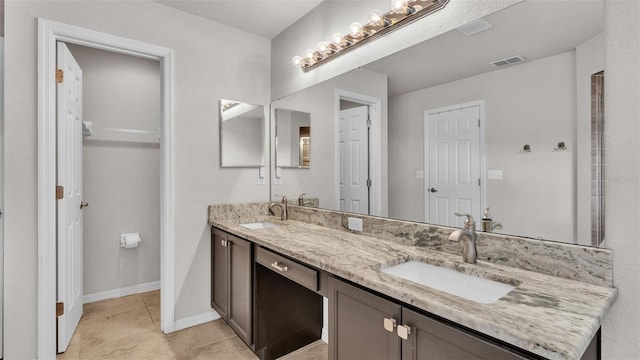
(282, 205)
(469, 236)
(488, 225)
(303, 202)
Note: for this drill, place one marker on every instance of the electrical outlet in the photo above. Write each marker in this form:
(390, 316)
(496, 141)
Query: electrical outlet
(494, 174)
(354, 224)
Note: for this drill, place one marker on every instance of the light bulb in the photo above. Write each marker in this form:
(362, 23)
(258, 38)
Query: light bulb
(355, 29)
(322, 46)
(399, 6)
(296, 60)
(376, 17)
(308, 54)
(337, 38)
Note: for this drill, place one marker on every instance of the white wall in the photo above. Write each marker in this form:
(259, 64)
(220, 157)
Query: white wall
(622, 174)
(320, 102)
(530, 103)
(121, 173)
(589, 60)
(284, 142)
(204, 73)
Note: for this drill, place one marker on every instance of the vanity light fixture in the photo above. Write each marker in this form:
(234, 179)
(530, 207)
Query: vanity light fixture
(402, 13)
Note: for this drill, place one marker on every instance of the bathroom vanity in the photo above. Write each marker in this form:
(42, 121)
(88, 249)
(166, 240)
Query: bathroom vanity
(373, 314)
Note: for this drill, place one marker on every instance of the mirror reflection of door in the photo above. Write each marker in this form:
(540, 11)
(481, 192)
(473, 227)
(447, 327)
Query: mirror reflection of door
(354, 160)
(305, 146)
(453, 145)
(293, 139)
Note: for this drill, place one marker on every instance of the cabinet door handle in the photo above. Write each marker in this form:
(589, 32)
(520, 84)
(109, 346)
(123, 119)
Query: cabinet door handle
(223, 243)
(404, 331)
(280, 267)
(389, 324)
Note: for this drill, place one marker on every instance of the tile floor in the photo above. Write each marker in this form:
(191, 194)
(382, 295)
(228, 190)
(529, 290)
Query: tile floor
(129, 328)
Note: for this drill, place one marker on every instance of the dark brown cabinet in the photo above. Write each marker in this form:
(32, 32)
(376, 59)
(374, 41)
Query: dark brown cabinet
(357, 322)
(363, 325)
(232, 281)
(431, 339)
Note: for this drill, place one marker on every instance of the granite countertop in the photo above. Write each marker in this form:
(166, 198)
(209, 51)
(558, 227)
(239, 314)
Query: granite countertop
(549, 316)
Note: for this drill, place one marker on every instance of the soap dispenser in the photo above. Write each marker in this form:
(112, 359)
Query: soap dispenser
(486, 221)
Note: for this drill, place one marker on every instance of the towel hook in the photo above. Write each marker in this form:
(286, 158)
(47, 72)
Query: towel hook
(525, 148)
(560, 147)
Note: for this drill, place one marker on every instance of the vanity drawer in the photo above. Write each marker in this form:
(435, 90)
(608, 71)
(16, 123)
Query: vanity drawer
(288, 268)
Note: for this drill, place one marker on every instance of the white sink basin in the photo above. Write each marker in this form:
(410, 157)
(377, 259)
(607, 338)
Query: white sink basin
(470, 287)
(259, 225)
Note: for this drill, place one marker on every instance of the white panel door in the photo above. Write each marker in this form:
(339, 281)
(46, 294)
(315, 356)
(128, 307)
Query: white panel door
(354, 160)
(69, 174)
(454, 165)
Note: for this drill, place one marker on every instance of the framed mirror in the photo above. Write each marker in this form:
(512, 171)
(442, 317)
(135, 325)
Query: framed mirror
(292, 139)
(520, 89)
(242, 134)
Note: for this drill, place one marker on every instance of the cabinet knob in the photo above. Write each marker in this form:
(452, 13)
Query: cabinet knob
(404, 331)
(223, 243)
(389, 324)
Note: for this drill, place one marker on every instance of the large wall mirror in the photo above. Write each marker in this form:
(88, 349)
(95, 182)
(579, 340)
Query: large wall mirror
(500, 115)
(292, 139)
(242, 134)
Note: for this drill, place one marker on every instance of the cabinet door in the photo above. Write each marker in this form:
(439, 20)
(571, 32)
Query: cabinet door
(430, 339)
(240, 281)
(219, 273)
(356, 324)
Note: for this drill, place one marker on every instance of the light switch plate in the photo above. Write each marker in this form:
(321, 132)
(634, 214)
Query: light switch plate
(354, 224)
(494, 174)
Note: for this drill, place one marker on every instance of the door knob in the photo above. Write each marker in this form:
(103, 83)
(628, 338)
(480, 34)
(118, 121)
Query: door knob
(433, 190)
(84, 204)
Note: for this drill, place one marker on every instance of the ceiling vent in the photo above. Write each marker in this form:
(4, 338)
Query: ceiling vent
(508, 61)
(475, 27)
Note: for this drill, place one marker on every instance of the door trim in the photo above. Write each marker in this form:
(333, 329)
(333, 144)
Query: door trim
(375, 113)
(49, 32)
(483, 160)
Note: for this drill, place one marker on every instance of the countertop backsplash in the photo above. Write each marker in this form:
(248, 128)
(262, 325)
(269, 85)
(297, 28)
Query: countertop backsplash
(586, 264)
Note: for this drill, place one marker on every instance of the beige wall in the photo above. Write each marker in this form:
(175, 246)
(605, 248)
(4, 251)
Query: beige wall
(121, 172)
(204, 73)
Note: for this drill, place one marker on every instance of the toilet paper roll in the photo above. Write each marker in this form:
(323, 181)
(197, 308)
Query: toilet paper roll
(130, 241)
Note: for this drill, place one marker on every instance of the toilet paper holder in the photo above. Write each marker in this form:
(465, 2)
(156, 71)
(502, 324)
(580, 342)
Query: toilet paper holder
(130, 240)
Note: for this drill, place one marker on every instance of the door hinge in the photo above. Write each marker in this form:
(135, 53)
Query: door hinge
(59, 308)
(59, 192)
(369, 123)
(478, 182)
(478, 122)
(59, 76)
(369, 183)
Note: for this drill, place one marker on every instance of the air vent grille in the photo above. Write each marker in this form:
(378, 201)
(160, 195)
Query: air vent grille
(475, 27)
(508, 61)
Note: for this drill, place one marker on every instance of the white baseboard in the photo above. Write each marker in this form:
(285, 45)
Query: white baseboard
(116, 293)
(196, 320)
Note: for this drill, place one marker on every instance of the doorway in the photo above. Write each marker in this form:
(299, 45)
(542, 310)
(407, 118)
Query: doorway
(358, 158)
(49, 33)
(453, 160)
(119, 167)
